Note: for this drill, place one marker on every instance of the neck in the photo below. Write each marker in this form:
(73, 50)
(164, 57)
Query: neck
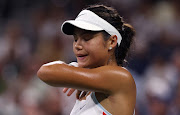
(112, 61)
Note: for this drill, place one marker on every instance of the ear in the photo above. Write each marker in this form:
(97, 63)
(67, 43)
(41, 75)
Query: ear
(112, 42)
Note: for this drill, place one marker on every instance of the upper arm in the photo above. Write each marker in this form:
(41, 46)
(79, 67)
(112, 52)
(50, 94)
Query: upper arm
(107, 79)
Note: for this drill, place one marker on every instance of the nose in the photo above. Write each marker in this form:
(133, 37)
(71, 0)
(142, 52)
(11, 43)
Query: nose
(78, 45)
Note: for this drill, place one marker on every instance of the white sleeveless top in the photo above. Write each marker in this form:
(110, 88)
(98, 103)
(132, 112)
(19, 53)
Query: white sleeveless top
(90, 106)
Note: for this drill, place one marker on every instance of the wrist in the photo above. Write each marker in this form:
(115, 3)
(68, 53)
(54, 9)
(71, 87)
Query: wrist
(54, 62)
(75, 64)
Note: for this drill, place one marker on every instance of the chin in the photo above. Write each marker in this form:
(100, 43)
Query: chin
(82, 65)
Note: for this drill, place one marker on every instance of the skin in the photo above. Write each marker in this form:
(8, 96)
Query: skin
(113, 85)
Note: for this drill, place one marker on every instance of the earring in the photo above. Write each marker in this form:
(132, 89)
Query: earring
(110, 48)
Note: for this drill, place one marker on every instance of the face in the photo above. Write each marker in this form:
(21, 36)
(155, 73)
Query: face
(90, 48)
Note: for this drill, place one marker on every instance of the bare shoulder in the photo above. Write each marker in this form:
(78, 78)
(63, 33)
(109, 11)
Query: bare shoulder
(122, 89)
(116, 71)
(118, 77)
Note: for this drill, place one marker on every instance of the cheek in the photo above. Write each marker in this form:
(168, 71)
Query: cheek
(99, 59)
(99, 49)
(99, 54)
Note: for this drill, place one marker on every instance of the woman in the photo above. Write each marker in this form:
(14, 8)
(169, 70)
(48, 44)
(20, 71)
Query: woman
(101, 42)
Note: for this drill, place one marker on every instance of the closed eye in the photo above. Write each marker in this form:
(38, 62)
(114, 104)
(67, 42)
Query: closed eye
(75, 38)
(87, 38)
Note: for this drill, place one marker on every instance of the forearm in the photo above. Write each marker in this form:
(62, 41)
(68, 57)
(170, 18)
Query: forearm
(64, 75)
(98, 79)
(61, 74)
(52, 72)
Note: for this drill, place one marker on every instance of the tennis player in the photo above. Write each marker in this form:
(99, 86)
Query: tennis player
(101, 42)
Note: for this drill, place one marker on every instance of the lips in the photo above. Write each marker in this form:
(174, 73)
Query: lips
(81, 57)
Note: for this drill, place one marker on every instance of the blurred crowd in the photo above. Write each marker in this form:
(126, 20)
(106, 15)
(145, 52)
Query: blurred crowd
(30, 36)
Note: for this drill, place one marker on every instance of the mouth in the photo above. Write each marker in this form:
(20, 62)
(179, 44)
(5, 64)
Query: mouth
(81, 57)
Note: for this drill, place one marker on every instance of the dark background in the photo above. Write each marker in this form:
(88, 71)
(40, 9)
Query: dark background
(30, 36)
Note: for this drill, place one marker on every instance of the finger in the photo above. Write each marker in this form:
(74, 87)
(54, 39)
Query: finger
(83, 94)
(70, 92)
(78, 94)
(65, 90)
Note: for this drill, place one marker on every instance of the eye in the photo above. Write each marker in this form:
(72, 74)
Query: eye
(75, 38)
(87, 37)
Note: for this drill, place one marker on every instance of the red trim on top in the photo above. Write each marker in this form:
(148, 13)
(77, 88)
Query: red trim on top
(104, 113)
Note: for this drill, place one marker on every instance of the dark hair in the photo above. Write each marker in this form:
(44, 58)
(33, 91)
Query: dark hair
(126, 30)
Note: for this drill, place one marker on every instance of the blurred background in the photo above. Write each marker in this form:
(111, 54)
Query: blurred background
(30, 36)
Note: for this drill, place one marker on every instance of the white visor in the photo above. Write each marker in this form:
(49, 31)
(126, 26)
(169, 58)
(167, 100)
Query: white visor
(88, 20)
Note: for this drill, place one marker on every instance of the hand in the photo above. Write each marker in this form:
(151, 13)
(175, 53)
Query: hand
(79, 94)
(70, 92)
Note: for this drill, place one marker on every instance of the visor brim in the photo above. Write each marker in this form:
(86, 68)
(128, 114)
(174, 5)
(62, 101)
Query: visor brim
(68, 26)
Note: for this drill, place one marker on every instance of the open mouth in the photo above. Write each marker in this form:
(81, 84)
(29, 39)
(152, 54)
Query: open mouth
(81, 57)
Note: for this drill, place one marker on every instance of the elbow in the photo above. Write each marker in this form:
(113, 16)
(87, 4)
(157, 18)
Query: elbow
(50, 74)
(42, 73)
(45, 74)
